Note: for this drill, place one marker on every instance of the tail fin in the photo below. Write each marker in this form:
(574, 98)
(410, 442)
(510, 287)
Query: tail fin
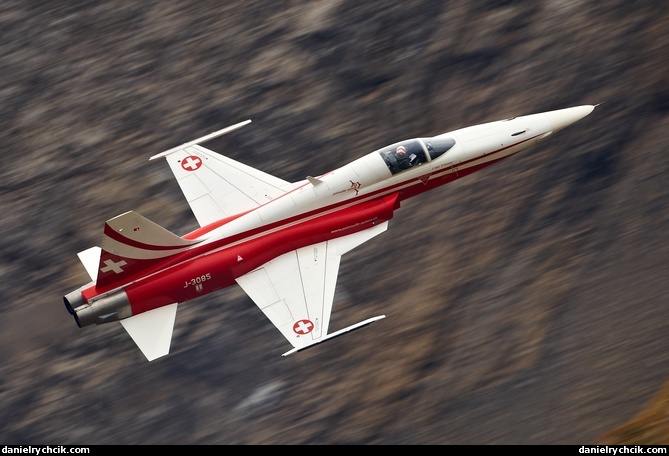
(131, 244)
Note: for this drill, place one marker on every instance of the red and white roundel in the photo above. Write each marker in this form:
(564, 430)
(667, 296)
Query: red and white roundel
(191, 163)
(303, 327)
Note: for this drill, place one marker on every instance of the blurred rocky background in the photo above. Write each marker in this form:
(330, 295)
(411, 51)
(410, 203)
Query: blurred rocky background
(526, 304)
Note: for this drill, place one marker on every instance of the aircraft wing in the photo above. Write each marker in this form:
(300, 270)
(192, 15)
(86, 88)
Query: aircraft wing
(296, 290)
(217, 186)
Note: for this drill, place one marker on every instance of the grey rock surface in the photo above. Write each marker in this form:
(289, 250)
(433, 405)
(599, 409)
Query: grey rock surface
(526, 304)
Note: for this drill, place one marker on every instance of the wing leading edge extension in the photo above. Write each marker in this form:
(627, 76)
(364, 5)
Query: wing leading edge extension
(296, 290)
(216, 186)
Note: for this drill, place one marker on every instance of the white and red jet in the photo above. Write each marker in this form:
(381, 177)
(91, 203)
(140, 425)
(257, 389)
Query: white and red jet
(280, 241)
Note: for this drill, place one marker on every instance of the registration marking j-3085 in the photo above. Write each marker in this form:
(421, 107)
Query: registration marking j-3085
(197, 280)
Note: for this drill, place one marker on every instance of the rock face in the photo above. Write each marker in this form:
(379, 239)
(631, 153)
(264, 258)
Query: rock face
(526, 303)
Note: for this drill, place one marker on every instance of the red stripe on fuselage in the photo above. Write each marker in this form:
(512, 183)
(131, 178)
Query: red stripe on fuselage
(219, 268)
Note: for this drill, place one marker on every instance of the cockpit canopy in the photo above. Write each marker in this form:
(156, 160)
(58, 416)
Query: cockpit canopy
(414, 152)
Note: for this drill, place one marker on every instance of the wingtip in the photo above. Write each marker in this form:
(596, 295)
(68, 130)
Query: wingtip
(213, 135)
(336, 334)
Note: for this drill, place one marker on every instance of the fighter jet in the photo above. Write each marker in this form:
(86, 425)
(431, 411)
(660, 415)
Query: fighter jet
(281, 241)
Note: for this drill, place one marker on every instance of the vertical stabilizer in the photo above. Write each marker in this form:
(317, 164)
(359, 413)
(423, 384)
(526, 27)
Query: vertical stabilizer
(131, 244)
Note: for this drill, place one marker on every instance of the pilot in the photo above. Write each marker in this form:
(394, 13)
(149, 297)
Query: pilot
(403, 160)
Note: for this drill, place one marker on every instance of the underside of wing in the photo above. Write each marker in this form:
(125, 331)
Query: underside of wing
(216, 186)
(296, 290)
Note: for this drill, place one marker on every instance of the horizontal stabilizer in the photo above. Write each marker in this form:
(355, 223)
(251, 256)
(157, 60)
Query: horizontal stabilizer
(336, 333)
(152, 330)
(90, 258)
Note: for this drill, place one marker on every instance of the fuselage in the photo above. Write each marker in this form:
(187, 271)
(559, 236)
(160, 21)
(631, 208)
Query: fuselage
(346, 200)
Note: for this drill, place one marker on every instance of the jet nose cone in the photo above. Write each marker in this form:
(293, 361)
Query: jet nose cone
(564, 117)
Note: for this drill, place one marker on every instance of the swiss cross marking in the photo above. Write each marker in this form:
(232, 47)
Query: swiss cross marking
(191, 163)
(111, 265)
(303, 326)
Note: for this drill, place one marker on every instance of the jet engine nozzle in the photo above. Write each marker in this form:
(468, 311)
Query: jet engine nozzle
(112, 307)
(73, 300)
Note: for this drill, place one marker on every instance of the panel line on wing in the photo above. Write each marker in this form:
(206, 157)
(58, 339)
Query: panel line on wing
(217, 186)
(304, 282)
